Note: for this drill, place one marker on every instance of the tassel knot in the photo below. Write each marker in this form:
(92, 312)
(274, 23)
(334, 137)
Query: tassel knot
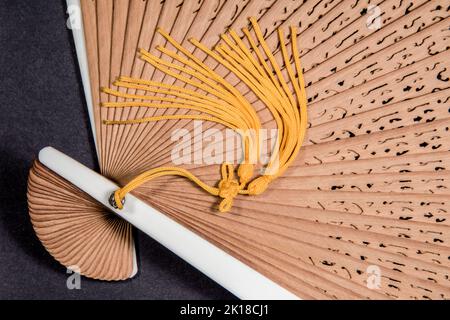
(259, 185)
(245, 172)
(228, 188)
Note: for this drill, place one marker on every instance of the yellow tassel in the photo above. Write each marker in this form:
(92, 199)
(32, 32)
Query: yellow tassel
(224, 104)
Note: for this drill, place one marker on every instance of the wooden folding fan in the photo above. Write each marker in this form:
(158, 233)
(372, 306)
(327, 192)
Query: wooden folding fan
(352, 204)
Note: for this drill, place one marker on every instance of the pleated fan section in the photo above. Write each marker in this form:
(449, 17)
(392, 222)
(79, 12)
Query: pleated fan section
(78, 231)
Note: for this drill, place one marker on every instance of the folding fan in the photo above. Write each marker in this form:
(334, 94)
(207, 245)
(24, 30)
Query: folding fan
(358, 205)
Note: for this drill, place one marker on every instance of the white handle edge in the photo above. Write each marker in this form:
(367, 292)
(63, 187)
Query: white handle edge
(229, 272)
(80, 48)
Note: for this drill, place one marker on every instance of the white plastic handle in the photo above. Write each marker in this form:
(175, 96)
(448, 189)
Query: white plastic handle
(74, 8)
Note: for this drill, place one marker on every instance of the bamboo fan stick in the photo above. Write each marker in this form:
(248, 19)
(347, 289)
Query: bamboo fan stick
(409, 163)
(291, 217)
(426, 228)
(427, 137)
(434, 162)
(297, 207)
(104, 12)
(417, 182)
(422, 109)
(88, 10)
(429, 208)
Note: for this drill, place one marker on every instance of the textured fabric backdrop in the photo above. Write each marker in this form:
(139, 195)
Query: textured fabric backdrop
(41, 104)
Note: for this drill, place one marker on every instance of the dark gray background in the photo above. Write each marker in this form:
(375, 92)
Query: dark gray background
(41, 104)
